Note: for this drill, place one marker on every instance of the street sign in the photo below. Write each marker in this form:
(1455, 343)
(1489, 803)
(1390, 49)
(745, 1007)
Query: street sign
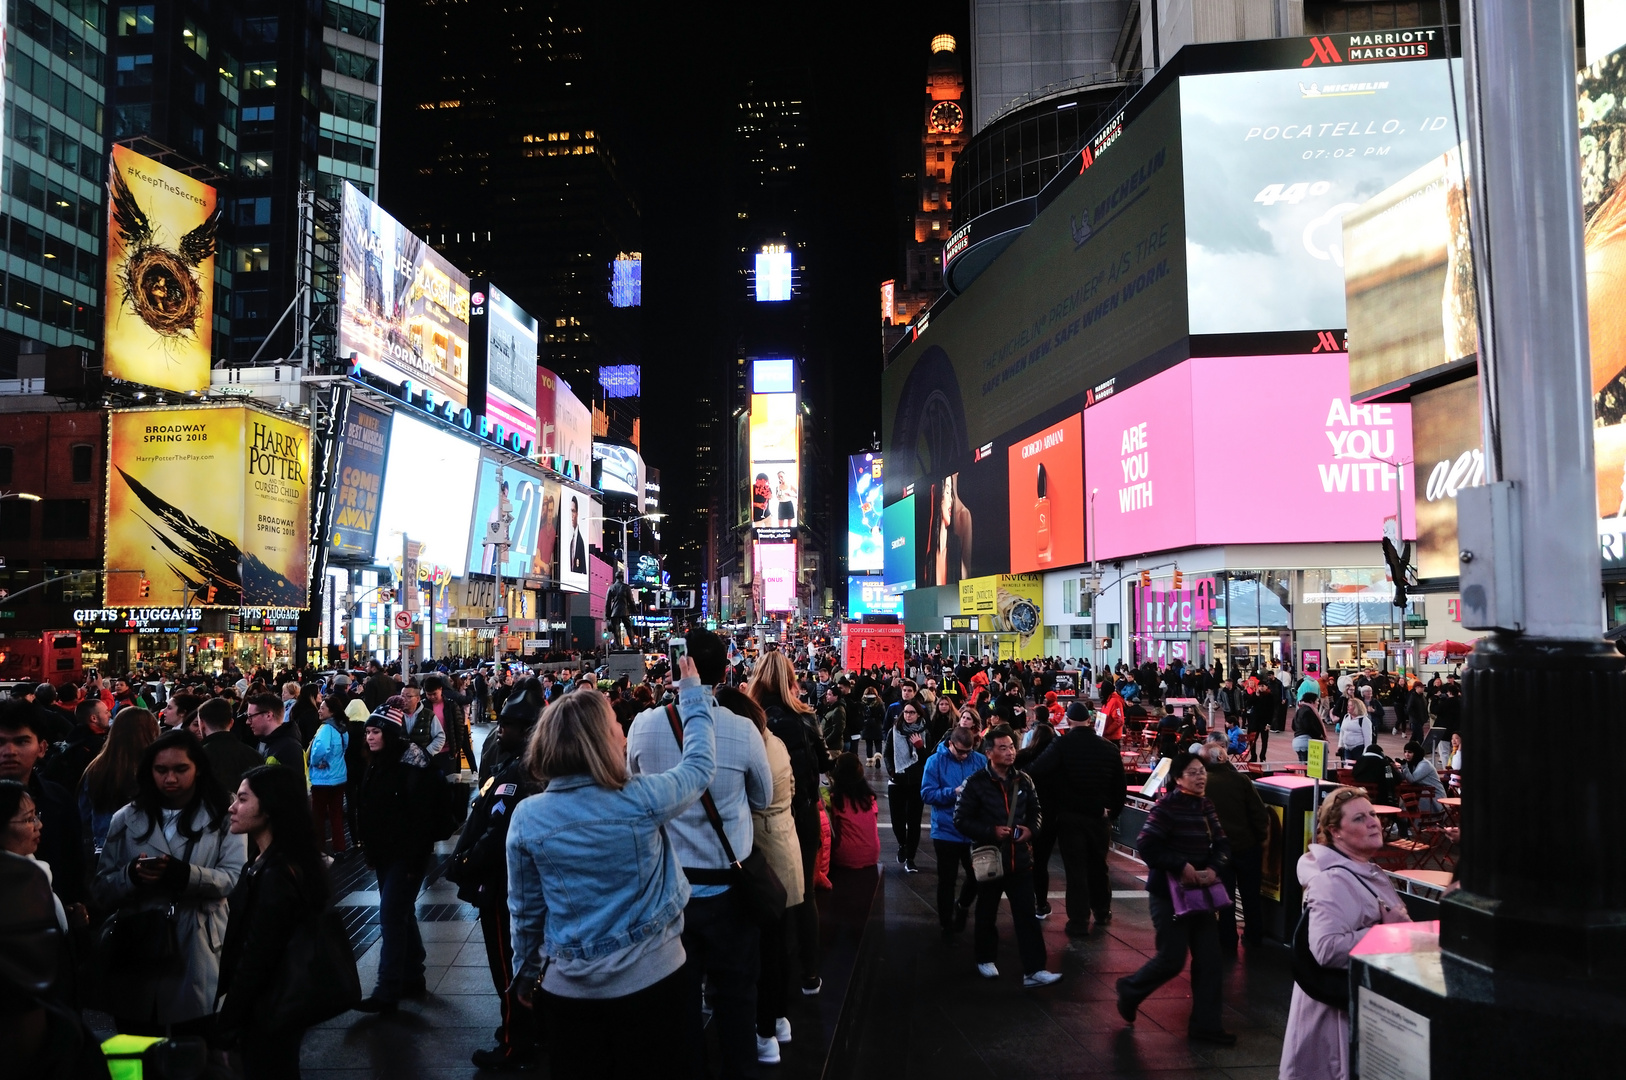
(533, 644)
(403, 620)
(496, 620)
(1317, 761)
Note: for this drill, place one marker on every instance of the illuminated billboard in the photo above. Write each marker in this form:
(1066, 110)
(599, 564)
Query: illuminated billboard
(868, 595)
(360, 482)
(1151, 453)
(618, 470)
(504, 348)
(1047, 498)
(403, 308)
(960, 522)
(899, 522)
(576, 513)
(866, 536)
(626, 280)
(1273, 162)
(1601, 88)
(619, 380)
(773, 274)
(527, 499)
(573, 431)
(776, 569)
(644, 568)
(1450, 457)
(775, 476)
(158, 327)
(776, 375)
(429, 487)
(208, 501)
(1209, 215)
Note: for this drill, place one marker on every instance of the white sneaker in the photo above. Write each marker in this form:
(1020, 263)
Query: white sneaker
(988, 971)
(781, 1030)
(1040, 978)
(767, 1050)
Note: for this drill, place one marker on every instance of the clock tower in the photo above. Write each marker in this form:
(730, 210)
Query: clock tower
(943, 137)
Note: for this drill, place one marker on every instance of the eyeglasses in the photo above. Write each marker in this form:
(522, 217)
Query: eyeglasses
(31, 819)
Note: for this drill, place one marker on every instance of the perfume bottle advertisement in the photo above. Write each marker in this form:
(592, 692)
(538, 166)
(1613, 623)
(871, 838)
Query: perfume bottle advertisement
(1047, 498)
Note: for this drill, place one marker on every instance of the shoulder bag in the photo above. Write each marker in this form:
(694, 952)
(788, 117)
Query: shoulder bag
(1198, 899)
(763, 891)
(317, 978)
(142, 938)
(1328, 985)
(988, 860)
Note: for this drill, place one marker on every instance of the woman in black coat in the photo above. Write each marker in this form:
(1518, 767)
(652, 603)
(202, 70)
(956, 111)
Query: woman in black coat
(286, 885)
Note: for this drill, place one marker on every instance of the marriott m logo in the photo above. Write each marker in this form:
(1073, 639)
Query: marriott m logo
(1326, 341)
(1322, 50)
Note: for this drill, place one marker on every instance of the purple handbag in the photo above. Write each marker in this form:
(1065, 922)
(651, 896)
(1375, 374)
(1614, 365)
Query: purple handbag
(1203, 900)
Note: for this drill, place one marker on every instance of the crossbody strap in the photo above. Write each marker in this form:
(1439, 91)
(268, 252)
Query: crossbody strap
(706, 800)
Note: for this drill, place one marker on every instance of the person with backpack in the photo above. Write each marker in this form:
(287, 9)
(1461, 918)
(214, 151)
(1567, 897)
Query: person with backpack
(1345, 894)
(1307, 725)
(397, 807)
(168, 865)
(773, 686)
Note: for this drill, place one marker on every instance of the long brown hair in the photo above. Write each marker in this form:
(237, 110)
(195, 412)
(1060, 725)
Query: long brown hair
(573, 738)
(112, 775)
(774, 683)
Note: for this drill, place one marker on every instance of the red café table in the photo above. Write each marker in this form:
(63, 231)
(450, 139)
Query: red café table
(1453, 810)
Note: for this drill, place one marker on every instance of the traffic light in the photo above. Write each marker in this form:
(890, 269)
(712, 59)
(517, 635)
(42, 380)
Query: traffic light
(144, 588)
(1178, 579)
(1146, 579)
(209, 595)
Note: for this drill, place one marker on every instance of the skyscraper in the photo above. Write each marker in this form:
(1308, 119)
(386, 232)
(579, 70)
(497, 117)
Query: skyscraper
(501, 159)
(944, 128)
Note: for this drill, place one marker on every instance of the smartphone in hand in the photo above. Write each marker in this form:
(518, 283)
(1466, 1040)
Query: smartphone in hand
(676, 649)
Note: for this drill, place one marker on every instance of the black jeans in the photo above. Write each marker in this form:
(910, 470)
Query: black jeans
(517, 1032)
(597, 1039)
(722, 942)
(771, 995)
(1084, 841)
(1044, 843)
(1242, 877)
(1018, 887)
(1196, 934)
(400, 946)
(951, 858)
(805, 916)
(903, 803)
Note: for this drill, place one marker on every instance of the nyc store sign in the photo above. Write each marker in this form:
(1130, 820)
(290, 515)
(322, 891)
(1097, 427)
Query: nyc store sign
(425, 399)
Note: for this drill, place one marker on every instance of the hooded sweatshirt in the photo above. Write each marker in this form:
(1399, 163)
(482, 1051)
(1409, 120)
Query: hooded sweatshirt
(939, 788)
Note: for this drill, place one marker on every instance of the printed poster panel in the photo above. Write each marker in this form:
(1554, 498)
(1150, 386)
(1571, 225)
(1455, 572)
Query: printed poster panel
(174, 519)
(158, 328)
(361, 482)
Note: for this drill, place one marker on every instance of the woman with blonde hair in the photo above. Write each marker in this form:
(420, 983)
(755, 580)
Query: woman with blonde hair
(792, 720)
(1344, 895)
(112, 777)
(773, 832)
(595, 893)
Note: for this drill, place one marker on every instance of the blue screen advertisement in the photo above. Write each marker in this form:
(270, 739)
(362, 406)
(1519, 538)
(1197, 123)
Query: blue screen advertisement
(898, 521)
(866, 534)
(360, 482)
(525, 502)
(869, 596)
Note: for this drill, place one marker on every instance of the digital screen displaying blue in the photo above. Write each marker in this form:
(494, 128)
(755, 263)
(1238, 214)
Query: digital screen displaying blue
(868, 595)
(776, 376)
(898, 522)
(866, 534)
(619, 380)
(626, 282)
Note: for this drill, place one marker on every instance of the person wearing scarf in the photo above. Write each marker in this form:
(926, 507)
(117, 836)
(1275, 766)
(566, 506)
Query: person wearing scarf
(908, 745)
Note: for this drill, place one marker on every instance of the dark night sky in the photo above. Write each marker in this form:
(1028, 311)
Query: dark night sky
(863, 67)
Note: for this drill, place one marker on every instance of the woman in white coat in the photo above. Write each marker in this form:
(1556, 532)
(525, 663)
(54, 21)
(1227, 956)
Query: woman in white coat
(170, 862)
(1346, 895)
(1356, 733)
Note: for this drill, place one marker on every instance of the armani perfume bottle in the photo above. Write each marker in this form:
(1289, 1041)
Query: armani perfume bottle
(1041, 511)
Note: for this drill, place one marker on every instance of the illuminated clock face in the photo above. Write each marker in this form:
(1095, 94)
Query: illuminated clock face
(946, 116)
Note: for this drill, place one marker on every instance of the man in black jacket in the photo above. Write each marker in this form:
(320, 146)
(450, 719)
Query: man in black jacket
(479, 867)
(1246, 822)
(22, 731)
(1084, 780)
(999, 806)
(230, 756)
(91, 720)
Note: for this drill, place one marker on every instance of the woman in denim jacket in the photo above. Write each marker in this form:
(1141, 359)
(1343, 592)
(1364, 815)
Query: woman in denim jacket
(594, 892)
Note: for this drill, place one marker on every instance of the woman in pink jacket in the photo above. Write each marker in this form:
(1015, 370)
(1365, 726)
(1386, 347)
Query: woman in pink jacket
(1346, 895)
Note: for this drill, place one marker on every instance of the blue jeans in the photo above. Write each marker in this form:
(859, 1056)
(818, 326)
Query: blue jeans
(400, 956)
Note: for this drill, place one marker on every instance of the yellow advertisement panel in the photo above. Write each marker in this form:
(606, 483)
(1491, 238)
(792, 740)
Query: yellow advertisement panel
(210, 506)
(276, 508)
(158, 326)
(1014, 604)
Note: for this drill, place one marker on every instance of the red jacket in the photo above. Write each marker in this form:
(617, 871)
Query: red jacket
(1113, 710)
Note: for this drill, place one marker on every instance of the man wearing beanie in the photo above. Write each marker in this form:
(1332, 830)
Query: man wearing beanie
(1084, 778)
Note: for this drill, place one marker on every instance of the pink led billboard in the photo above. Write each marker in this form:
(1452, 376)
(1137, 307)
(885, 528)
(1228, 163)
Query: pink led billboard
(776, 565)
(1244, 450)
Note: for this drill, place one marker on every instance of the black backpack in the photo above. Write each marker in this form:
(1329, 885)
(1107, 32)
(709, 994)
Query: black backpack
(1330, 986)
(805, 743)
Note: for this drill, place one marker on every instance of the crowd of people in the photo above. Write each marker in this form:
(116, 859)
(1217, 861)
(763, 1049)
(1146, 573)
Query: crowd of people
(655, 849)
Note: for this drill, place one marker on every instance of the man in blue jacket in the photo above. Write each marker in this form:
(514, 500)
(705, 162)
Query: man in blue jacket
(946, 773)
